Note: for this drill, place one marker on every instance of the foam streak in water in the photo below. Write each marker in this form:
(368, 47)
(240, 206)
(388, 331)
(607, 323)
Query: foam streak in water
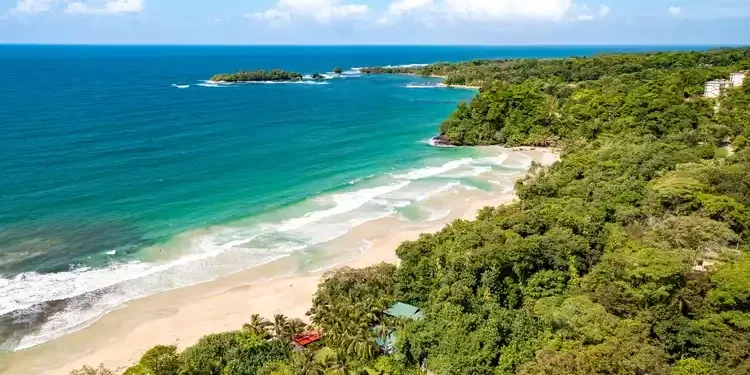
(344, 202)
(418, 174)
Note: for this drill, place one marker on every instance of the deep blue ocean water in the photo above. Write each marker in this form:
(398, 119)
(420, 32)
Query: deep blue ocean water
(108, 153)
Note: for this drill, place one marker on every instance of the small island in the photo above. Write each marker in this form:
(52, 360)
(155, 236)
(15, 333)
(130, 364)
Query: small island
(275, 75)
(393, 70)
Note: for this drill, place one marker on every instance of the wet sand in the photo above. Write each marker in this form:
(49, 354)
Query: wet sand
(285, 286)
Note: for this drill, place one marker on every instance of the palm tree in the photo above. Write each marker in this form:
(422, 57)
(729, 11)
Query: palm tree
(366, 348)
(280, 326)
(305, 364)
(258, 325)
(383, 331)
(295, 327)
(338, 363)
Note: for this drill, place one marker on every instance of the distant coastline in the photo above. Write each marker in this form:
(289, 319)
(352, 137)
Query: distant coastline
(280, 76)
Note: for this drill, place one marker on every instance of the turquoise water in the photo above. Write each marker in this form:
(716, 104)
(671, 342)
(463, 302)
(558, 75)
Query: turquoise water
(124, 173)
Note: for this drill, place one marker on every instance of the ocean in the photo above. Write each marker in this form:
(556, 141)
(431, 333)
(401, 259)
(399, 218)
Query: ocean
(125, 173)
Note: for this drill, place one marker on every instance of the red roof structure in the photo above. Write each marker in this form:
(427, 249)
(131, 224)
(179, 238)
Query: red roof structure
(307, 338)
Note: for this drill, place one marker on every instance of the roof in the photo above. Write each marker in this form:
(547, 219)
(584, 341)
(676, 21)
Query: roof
(307, 338)
(718, 81)
(403, 310)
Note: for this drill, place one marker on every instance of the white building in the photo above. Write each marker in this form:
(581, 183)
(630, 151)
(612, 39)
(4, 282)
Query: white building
(737, 78)
(715, 87)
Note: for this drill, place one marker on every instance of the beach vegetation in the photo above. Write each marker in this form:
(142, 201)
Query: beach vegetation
(277, 368)
(161, 360)
(88, 370)
(258, 325)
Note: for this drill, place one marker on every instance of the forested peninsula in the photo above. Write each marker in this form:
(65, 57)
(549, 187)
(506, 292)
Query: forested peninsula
(629, 256)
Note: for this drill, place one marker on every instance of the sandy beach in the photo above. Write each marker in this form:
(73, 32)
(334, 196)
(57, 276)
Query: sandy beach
(184, 315)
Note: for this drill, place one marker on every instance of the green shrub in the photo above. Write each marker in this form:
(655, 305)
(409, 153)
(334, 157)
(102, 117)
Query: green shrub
(161, 360)
(88, 370)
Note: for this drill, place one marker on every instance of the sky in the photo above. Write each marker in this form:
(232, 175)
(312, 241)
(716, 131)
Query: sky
(303, 22)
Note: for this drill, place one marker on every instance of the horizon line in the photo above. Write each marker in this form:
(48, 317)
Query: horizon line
(378, 45)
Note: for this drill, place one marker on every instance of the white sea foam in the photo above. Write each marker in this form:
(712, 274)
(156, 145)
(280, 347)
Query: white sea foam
(498, 160)
(310, 82)
(406, 66)
(440, 214)
(421, 173)
(441, 189)
(434, 143)
(287, 83)
(283, 82)
(82, 312)
(28, 289)
(344, 202)
(468, 172)
(426, 86)
(210, 84)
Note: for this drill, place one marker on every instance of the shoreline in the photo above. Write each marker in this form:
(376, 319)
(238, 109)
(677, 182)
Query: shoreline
(464, 87)
(182, 316)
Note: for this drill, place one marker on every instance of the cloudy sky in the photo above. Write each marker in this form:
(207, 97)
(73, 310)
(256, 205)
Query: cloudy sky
(375, 21)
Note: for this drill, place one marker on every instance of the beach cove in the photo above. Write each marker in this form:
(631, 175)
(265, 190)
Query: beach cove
(284, 286)
(188, 189)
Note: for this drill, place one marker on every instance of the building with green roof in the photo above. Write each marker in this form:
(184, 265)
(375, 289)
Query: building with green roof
(403, 310)
(397, 310)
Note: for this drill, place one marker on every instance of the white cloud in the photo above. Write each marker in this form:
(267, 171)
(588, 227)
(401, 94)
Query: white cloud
(110, 7)
(400, 7)
(507, 9)
(272, 14)
(675, 11)
(604, 11)
(323, 11)
(480, 10)
(582, 13)
(32, 6)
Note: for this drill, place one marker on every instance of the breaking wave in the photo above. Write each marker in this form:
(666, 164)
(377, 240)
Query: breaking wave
(426, 86)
